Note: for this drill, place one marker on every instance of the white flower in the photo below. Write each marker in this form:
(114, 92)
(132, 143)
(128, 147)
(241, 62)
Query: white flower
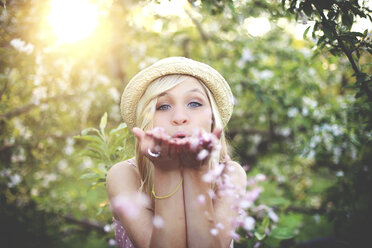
(292, 112)
(265, 74)
(340, 173)
(14, 180)
(112, 242)
(247, 55)
(273, 216)
(249, 223)
(260, 177)
(21, 46)
(38, 94)
(107, 228)
(114, 93)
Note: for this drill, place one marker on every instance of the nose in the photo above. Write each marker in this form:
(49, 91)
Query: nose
(180, 118)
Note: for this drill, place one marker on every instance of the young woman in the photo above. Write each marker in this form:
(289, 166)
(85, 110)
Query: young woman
(177, 109)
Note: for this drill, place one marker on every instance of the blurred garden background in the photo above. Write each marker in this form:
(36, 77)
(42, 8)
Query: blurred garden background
(300, 71)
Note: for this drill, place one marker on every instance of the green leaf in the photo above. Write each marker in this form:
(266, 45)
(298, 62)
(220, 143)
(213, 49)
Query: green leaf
(321, 40)
(98, 147)
(120, 127)
(305, 33)
(347, 20)
(96, 170)
(100, 210)
(359, 94)
(89, 175)
(103, 123)
(328, 33)
(282, 233)
(308, 9)
(259, 236)
(87, 130)
(90, 138)
(91, 154)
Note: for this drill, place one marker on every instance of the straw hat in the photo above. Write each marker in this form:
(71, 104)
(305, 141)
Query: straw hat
(176, 65)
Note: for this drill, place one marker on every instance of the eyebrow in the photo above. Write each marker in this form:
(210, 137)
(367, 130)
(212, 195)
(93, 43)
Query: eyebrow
(189, 91)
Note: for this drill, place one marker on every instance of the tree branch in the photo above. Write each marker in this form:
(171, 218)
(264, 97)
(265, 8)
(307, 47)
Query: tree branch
(86, 224)
(303, 210)
(28, 107)
(3, 89)
(203, 35)
(344, 50)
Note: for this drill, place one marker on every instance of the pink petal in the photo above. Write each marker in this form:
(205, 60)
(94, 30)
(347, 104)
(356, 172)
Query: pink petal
(214, 231)
(202, 155)
(158, 221)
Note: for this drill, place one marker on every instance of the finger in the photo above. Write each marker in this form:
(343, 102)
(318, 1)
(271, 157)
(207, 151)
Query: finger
(172, 148)
(139, 133)
(217, 132)
(158, 140)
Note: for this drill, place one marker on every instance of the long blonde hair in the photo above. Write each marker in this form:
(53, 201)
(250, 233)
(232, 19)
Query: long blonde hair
(144, 119)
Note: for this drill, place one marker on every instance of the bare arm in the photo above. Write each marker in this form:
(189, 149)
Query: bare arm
(170, 209)
(202, 217)
(124, 180)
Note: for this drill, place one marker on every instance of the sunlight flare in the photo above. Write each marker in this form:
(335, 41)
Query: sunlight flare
(72, 20)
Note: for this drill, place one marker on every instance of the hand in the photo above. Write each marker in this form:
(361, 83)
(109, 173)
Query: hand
(196, 150)
(158, 147)
(168, 153)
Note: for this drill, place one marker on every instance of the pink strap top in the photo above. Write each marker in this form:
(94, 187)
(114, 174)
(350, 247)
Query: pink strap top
(122, 239)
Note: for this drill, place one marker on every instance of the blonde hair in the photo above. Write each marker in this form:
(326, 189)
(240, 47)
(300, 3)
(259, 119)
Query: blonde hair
(144, 119)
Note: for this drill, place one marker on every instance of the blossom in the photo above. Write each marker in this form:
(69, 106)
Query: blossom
(201, 199)
(249, 223)
(219, 225)
(21, 46)
(214, 231)
(107, 228)
(158, 221)
(112, 242)
(202, 154)
(14, 180)
(234, 235)
(273, 216)
(129, 206)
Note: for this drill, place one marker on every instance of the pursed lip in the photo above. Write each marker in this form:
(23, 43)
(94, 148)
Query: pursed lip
(180, 135)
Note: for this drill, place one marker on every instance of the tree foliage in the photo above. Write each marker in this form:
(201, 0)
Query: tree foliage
(302, 115)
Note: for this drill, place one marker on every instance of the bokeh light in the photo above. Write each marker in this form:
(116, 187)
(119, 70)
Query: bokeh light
(72, 20)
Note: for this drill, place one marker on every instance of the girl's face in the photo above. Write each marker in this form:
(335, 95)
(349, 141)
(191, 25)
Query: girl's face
(183, 109)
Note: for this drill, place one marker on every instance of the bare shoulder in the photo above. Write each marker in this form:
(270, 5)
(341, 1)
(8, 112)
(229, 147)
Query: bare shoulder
(237, 173)
(122, 178)
(124, 166)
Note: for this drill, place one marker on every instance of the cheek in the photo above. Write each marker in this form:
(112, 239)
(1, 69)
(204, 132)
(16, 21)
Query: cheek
(207, 119)
(157, 120)
(161, 119)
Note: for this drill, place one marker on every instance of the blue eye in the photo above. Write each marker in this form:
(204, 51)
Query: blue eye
(163, 107)
(195, 104)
